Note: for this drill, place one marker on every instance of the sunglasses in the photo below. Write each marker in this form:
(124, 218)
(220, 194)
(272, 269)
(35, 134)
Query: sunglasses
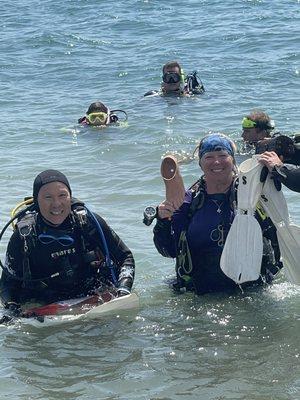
(62, 240)
(171, 77)
(97, 117)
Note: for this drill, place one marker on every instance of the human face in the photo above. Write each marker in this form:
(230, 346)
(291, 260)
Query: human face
(171, 87)
(97, 118)
(54, 202)
(217, 166)
(253, 135)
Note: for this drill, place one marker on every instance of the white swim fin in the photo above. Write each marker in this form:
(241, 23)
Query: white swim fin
(242, 254)
(250, 186)
(288, 234)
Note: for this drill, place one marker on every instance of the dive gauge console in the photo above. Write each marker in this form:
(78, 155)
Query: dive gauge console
(150, 213)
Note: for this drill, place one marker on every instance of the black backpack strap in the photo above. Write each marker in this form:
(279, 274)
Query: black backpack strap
(27, 231)
(233, 194)
(198, 194)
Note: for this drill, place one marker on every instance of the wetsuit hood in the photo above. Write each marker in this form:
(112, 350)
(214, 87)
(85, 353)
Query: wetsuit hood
(48, 176)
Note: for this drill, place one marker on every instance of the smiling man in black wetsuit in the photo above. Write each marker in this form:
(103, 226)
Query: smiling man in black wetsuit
(61, 250)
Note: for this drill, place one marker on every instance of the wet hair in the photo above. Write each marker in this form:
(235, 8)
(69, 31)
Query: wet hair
(171, 64)
(262, 120)
(97, 106)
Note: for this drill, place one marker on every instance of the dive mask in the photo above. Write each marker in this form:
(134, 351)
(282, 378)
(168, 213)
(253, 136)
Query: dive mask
(97, 118)
(63, 240)
(171, 77)
(247, 123)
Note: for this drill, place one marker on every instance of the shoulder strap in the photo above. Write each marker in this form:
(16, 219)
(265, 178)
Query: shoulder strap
(27, 230)
(233, 194)
(198, 194)
(27, 225)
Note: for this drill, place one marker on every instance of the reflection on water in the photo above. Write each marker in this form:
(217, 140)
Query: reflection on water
(58, 57)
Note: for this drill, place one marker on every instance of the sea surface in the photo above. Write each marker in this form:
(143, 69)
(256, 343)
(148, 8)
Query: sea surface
(57, 57)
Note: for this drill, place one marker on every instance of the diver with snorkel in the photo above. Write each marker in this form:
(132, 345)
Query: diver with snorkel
(175, 83)
(99, 115)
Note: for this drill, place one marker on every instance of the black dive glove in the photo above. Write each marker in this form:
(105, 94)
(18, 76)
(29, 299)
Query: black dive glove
(263, 177)
(13, 308)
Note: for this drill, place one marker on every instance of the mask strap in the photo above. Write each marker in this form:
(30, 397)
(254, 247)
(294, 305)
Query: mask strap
(108, 116)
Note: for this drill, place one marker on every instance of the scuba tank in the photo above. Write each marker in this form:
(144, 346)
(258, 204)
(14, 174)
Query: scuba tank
(194, 83)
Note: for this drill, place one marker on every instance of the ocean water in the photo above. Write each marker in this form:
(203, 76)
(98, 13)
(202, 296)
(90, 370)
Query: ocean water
(59, 56)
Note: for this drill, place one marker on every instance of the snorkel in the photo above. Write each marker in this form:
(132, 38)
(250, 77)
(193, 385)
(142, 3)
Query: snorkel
(114, 117)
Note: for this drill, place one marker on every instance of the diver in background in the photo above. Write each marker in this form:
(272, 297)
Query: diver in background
(279, 153)
(175, 83)
(257, 126)
(98, 114)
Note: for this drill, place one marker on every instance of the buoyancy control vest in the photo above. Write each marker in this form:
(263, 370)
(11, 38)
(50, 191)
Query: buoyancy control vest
(184, 267)
(82, 227)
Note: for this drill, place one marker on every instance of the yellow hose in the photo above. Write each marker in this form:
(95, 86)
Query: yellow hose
(18, 207)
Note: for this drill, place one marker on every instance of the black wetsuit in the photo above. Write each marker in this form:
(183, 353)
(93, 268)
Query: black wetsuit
(76, 269)
(289, 175)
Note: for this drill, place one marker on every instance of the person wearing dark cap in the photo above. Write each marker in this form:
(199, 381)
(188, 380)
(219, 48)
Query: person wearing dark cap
(60, 249)
(195, 233)
(280, 154)
(98, 114)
